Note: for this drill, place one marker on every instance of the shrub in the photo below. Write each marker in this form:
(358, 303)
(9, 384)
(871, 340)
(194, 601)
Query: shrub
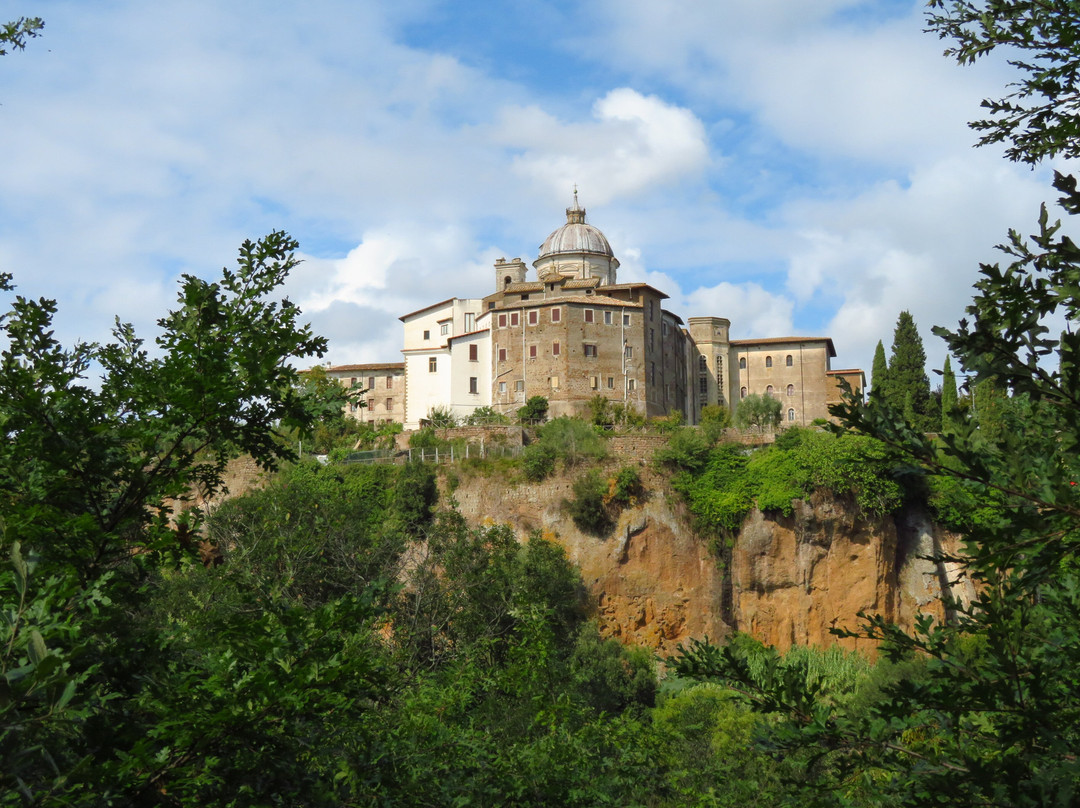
(534, 411)
(538, 461)
(625, 487)
(442, 417)
(572, 440)
(687, 450)
(588, 508)
(758, 412)
(486, 416)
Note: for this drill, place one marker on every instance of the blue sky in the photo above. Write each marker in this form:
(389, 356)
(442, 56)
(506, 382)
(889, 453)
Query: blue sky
(800, 168)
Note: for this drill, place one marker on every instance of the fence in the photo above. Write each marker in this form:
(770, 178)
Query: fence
(448, 454)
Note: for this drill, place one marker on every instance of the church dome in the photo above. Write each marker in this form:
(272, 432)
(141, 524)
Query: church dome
(576, 237)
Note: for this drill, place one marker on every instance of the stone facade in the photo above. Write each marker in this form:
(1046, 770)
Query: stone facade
(384, 390)
(575, 333)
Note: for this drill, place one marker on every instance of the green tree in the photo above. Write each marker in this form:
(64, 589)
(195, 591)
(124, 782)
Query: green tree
(993, 716)
(88, 478)
(13, 35)
(949, 398)
(534, 411)
(879, 378)
(908, 387)
(758, 412)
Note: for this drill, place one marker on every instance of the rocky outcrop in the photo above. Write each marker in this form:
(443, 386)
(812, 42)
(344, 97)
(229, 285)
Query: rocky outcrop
(785, 580)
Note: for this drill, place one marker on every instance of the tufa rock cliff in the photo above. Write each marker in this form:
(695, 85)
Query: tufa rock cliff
(785, 580)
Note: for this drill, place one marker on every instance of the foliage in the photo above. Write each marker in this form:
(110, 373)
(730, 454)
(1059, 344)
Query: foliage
(572, 440)
(879, 374)
(13, 35)
(991, 715)
(908, 387)
(534, 411)
(714, 422)
(758, 412)
(88, 475)
(687, 449)
(588, 508)
(486, 416)
(600, 410)
(730, 483)
(441, 417)
(625, 487)
(949, 398)
(538, 461)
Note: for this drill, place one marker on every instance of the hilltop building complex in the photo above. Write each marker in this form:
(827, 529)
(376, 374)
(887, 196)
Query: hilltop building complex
(572, 333)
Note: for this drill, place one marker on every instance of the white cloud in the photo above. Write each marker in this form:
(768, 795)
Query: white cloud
(636, 142)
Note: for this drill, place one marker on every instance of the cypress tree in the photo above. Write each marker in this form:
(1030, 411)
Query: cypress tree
(879, 374)
(908, 387)
(948, 394)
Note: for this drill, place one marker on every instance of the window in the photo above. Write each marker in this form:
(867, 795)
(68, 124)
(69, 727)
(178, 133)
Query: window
(470, 321)
(427, 335)
(791, 389)
(474, 353)
(519, 385)
(389, 404)
(532, 352)
(594, 382)
(502, 321)
(652, 338)
(651, 312)
(610, 382)
(371, 404)
(533, 315)
(352, 382)
(590, 350)
(703, 364)
(789, 361)
(502, 387)
(524, 297)
(371, 382)
(555, 348)
(768, 361)
(663, 329)
(474, 385)
(652, 373)
(444, 329)
(607, 318)
(626, 319)
(389, 382)
(432, 364)
(703, 385)
(588, 315)
(768, 390)
(742, 363)
(556, 315)
(554, 382)
(353, 406)
(791, 415)
(502, 354)
(513, 318)
(630, 384)
(628, 351)
(742, 392)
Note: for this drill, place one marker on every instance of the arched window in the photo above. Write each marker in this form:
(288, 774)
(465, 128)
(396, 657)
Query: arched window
(768, 390)
(742, 393)
(768, 361)
(791, 414)
(789, 361)
(506, 281)
(742, 363)
(703, 364)
(791, 389)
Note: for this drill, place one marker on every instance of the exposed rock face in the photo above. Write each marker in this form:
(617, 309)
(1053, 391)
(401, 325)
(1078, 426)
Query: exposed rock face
(788, 580)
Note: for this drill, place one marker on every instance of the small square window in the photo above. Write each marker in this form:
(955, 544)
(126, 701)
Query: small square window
(502, 387)
(533, 315)
(626, 319)
(444, 329)
(607, 318)
(502, 321)
(519, 385)
(474, 385)
(513, 318)
(432, 364)
(556, 315)
(628, 351)
(590, 350)
(532, 352)
(427, 335)
(588, 315)
(630, 385)
(502, 354)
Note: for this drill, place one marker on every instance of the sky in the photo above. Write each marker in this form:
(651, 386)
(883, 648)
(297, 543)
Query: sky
(801, 168)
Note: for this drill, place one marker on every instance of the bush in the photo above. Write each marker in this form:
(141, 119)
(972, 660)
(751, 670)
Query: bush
(688, 450)
(572, 440)
(588, 508)
(442, 418)
(538, 461)
(534, 411)
(625, 487)
(486, 416)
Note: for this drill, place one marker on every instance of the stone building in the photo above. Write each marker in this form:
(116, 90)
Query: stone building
(573, 332)
(384, 390)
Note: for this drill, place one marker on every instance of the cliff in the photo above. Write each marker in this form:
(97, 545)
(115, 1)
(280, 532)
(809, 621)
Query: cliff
(785, 580)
